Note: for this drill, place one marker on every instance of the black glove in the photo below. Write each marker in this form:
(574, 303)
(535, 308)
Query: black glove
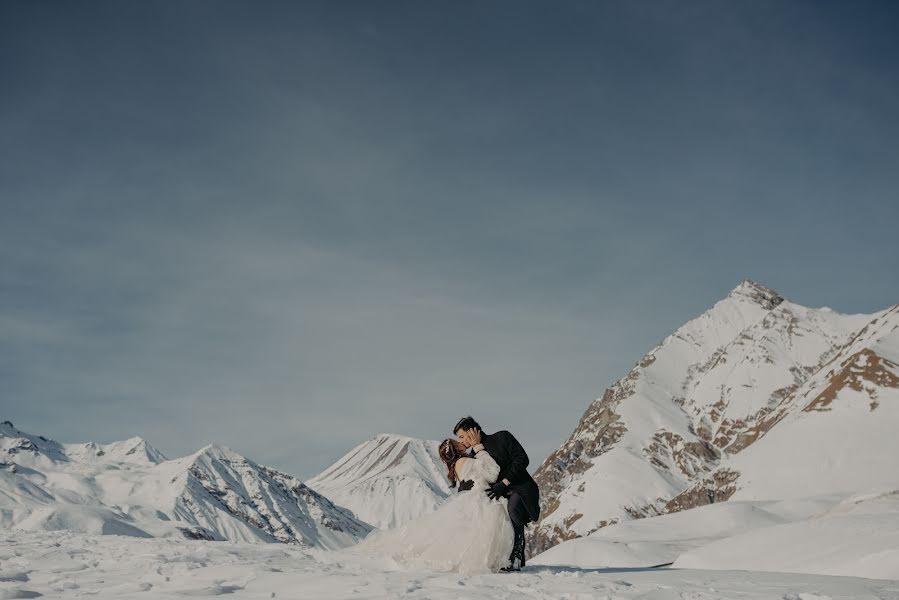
(466, 485)
(497, 490)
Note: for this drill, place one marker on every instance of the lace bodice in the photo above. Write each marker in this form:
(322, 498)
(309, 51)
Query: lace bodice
(482, 469)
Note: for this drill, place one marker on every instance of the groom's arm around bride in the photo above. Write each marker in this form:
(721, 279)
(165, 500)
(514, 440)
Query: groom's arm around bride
(514, 469)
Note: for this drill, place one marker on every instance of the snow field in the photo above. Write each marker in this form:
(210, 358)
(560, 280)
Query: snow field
(62, 564)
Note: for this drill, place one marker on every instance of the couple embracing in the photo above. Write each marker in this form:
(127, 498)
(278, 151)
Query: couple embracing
(480, 528)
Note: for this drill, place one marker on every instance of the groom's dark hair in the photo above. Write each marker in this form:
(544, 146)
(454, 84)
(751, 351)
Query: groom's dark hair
(466, 423)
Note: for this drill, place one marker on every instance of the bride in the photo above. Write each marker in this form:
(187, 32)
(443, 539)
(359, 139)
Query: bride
(469, 533)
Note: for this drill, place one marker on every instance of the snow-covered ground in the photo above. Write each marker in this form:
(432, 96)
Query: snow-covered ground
(64, 564)
(825, 535)
(858, 536)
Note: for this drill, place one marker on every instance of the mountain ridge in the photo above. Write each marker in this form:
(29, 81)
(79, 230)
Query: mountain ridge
(130, 488)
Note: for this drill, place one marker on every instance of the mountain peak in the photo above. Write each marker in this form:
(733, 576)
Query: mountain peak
(387, 480)
(218, 451)
(392, 436)
(138, 446)
(757, 293)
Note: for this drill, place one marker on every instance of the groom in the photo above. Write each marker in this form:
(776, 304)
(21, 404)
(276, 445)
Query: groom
(514, 482)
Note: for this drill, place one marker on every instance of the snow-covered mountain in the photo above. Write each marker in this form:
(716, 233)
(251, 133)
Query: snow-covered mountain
(387, 480)
(130, 488)
(756, 398)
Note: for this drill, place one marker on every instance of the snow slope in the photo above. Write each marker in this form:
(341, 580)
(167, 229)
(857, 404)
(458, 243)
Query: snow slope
(659, 540)
(387, 480)
(129, 488)
(838, 436)
(857, 536)
(65, 564)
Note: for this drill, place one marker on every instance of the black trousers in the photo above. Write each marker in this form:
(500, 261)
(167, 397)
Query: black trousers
(518, 514)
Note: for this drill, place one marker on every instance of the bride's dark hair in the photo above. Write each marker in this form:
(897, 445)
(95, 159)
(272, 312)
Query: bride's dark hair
(450, 454)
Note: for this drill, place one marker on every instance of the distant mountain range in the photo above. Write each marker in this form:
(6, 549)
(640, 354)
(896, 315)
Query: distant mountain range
(130, 488)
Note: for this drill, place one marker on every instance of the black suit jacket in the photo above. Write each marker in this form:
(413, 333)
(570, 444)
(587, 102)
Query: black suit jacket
(513, 462)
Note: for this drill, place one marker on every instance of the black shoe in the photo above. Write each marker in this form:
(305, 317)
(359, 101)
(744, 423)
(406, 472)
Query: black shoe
(514, 565)
(516, 558)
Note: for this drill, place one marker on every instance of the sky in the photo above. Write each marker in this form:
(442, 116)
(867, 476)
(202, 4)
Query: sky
(286, 227)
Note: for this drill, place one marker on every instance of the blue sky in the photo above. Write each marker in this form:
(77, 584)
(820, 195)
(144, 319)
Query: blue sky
(287, 227)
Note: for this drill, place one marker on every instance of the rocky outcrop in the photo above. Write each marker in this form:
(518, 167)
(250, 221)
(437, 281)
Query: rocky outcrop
(863, 371)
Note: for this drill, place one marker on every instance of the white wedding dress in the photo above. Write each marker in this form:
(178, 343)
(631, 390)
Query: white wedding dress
(469, 533)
